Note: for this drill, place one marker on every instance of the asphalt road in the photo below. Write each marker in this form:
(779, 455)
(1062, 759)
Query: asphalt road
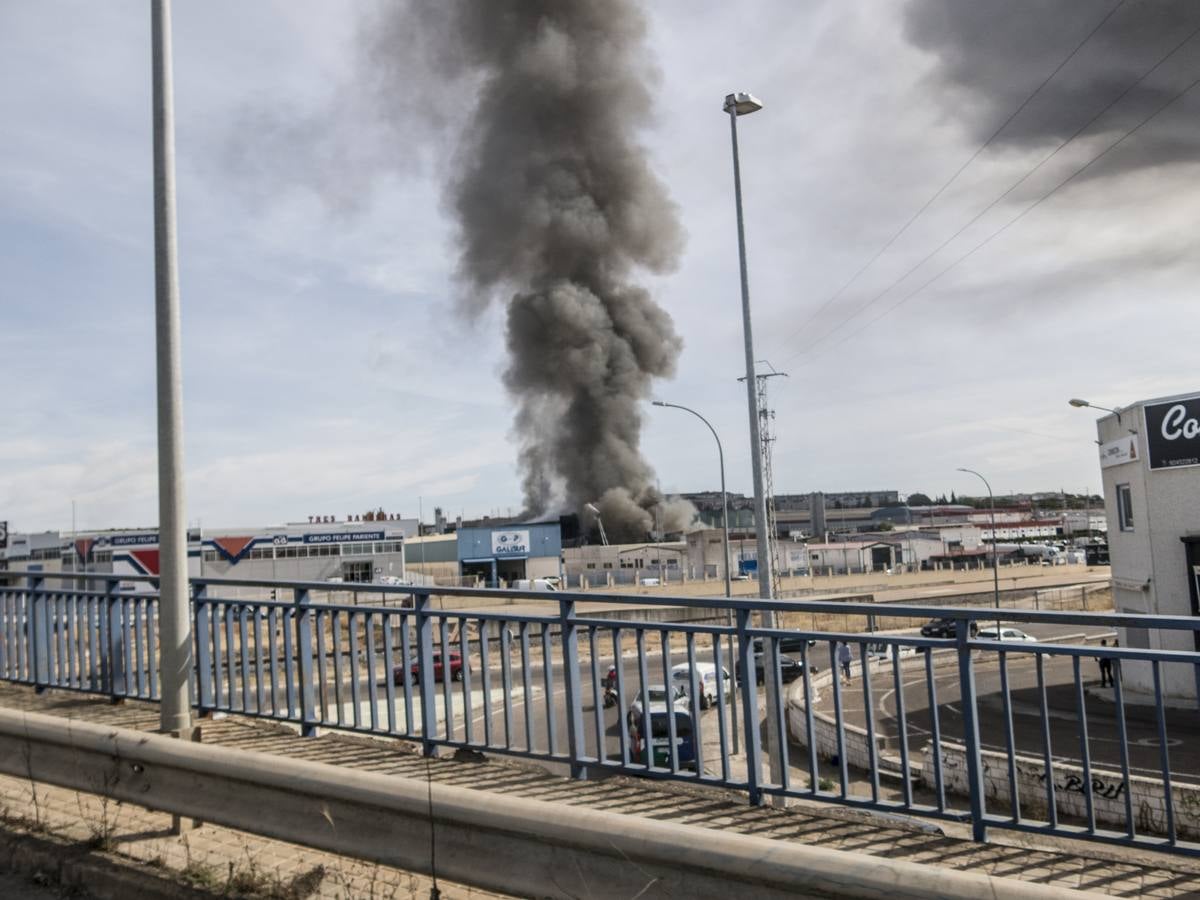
(1063, 712)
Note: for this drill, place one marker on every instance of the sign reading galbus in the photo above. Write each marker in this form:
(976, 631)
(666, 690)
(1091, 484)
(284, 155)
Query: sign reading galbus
(1173, 433)
(3, 535)
(510, 543)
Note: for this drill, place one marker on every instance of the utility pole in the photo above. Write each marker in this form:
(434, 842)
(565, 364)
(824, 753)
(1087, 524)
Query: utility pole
(766, 419)
(174, 623)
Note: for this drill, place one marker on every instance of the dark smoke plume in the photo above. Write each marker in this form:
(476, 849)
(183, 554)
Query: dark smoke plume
(557, 209)
(991, 55)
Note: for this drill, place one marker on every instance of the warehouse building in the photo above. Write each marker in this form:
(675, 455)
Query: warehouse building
(313, 551)
(502, 554)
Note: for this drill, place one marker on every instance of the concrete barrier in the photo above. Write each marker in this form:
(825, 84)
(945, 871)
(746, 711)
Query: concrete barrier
(1108, 791)
(495, 842)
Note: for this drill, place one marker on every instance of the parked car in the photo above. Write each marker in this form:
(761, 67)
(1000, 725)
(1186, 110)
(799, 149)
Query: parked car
(660, 737)
(439, 669)
(1007, 633)
(706, 681)
(878, 650)
(789, 668)
(657, 695)
(944, 628)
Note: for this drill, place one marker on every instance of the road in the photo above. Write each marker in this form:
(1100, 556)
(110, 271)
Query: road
(1063, 714)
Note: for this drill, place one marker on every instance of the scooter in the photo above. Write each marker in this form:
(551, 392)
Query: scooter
(610, 688)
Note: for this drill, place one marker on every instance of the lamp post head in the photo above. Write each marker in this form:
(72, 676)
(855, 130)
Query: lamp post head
(590, 507)
(657, 403)
(1077, 403)
(742, 103)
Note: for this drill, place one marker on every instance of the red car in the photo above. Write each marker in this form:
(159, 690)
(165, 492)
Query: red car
(439, 671)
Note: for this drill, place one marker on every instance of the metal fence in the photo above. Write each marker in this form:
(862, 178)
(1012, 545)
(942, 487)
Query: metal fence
(528, 680)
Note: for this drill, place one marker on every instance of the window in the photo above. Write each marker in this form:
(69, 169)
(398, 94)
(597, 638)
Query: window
(1125, 507)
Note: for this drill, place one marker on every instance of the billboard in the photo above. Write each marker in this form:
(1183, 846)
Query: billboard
(1173, 433)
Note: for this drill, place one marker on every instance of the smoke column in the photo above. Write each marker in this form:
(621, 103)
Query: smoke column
(557, 209)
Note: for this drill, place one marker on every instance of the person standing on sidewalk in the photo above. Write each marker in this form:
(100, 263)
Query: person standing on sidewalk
(1106, 678)
(844, 658)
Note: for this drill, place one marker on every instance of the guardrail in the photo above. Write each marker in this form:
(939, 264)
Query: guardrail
(528, 681)
(504, 843)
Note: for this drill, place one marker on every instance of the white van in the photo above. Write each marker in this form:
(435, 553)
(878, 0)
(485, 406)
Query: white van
(535, 584)
(706, 681)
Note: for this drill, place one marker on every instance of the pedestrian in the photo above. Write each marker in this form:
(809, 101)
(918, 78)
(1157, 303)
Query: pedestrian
(844, 659)
(1106, 678)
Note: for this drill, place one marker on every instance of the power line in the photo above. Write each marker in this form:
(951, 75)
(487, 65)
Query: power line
(979, 215)
(1022, 214)
(962, 168)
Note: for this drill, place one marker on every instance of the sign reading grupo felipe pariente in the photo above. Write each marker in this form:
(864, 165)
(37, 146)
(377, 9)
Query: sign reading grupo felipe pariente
(1173, 433)
(510, 543)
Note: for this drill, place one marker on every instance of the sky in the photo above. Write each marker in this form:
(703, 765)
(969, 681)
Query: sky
(329, 366)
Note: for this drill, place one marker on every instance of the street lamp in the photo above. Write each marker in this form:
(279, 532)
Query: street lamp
(995, 558)
(725, 547)
(174, 622)
(1081, 404)
(742, 104)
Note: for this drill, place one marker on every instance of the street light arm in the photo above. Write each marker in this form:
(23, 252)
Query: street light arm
(720, 451)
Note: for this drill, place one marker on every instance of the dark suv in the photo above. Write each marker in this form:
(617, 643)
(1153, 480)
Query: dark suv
(945, 628)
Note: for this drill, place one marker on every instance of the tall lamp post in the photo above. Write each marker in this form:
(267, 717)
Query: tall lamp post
(995, 558)
(725, 565)
(175, 639)
(742, 104)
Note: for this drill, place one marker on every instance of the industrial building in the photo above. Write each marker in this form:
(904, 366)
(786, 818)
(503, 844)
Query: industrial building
(1150, 462)
(501, 554)
(312, 551)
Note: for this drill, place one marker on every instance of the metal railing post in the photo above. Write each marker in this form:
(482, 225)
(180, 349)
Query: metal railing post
(116, 642)
(205, 702)
(745, 667)
(39, 642)
(425, 674)
(304, 653)
(574, 699)
(966, 678)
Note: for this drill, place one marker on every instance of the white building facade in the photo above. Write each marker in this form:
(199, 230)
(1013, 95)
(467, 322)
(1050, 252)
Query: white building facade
(1150, 463)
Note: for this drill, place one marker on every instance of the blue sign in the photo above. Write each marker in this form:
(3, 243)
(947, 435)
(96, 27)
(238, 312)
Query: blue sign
(133, 540)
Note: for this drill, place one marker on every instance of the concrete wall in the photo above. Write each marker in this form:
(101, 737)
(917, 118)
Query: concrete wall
(1108, 791)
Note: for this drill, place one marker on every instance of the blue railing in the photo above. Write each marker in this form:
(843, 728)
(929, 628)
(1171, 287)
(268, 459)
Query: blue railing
(960, 726)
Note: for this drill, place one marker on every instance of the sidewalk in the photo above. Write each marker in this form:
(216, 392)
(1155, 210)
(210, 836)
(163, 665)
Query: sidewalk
(216, 857)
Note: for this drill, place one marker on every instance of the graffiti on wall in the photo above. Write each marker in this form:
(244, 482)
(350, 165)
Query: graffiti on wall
(1101, 787)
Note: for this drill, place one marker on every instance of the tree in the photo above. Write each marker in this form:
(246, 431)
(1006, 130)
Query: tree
(953, 497)
(919, 499)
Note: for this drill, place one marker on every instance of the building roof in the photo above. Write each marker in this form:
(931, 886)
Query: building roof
(849, 545)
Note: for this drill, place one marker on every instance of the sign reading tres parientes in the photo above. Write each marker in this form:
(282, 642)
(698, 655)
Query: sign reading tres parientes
(1173, 433)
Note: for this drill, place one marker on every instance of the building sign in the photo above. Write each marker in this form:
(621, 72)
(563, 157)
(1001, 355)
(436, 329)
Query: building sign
(1173, 433)
(338, 537)
(1122, 450)
(134, 540)
(510, 543)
